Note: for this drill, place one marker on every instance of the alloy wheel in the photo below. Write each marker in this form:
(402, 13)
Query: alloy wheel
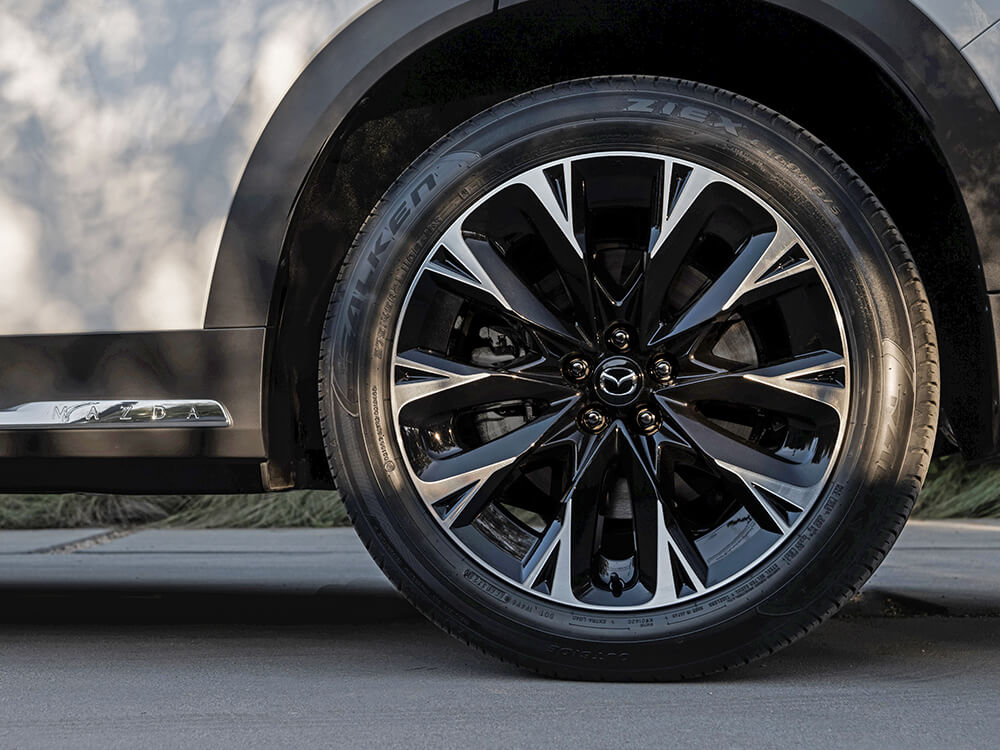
(620, 380)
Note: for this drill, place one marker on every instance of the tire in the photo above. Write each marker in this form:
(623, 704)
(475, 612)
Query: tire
(592, 555)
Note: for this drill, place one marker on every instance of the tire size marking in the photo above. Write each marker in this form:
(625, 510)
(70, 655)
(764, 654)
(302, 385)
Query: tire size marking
(387, 463)
(477, 580)
(580, 654)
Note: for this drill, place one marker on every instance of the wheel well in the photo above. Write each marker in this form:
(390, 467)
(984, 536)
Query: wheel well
(771, 55)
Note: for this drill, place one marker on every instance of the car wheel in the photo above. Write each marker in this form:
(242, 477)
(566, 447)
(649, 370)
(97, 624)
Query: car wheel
(629, 378)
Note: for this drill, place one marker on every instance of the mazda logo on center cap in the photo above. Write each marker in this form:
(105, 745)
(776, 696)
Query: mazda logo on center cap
(618, 381)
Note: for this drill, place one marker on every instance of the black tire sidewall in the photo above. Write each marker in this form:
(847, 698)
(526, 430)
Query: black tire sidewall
(762, 607)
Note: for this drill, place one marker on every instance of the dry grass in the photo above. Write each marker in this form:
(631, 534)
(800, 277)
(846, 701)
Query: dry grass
(312, 508)
(953, 490)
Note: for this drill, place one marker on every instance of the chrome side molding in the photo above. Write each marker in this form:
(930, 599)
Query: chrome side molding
(118, 413)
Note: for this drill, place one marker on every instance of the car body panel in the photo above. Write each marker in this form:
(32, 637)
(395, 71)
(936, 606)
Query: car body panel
(961, 20)
(150, 163)
(221, 366)
(984, 54)
(323, 96)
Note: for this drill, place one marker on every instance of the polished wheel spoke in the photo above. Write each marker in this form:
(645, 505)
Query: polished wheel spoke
(428, 384)
(806, 386)
(682, 189)
(770, 487)
(532, 218)
(678, 563)
(473, 264)
(775, 498)
(466, 480)
(665, 442)
(551, 186)
(722, 448)
(551, 563)
(677, 203)
(797, 386)
(675, 559)
(757, 267)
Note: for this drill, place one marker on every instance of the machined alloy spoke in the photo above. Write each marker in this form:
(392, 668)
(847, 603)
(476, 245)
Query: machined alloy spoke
(591, 456)
(722, 448)
(752, 270)
(793, 387)
(556, 198)
(679, 226)
(774, 497)
(673, 547)
(771, 487)
(675, 550)
(435, 384)
(539, 183)
(666, 441)
(698, 178)
(477, 472)
(477, 266)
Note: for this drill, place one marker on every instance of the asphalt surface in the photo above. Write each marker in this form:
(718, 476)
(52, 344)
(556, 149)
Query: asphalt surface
(293, 638)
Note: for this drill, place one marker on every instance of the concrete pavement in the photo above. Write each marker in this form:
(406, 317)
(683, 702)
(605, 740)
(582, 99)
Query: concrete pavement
(273, 639)
(936, 567)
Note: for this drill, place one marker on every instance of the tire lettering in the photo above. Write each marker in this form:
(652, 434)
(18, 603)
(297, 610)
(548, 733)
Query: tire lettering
(726, 124)
(428, 184)
(588, 654)
(695, 114)
(346, 344)
(688, 112)
(640, 105)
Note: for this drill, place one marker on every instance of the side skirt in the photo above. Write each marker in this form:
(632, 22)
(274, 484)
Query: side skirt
(191, 396)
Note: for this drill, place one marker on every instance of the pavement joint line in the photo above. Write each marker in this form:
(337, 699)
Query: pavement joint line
(210, 551)
(86, 543)
(956, 548)
(988, 525)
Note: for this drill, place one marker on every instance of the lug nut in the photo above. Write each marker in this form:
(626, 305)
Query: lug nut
(647, 420)
(577, 369)
(593, 420)
(662, 370)
(619, 339)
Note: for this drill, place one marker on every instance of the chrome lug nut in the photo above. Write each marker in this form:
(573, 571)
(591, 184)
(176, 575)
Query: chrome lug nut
(619, 339)
(647, 420)
(662, 370)
(577, 369)
(593, 420)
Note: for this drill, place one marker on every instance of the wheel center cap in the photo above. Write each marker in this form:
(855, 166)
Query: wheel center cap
(618, 381)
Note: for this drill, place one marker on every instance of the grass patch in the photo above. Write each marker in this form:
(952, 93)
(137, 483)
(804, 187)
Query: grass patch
(309, 508)
(953, 490)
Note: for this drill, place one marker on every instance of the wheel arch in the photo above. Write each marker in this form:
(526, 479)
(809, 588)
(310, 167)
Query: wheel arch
(883, 86)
